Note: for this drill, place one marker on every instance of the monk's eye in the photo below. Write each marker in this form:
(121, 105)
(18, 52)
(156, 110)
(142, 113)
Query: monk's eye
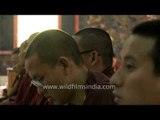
(130, 67)
(41, 79)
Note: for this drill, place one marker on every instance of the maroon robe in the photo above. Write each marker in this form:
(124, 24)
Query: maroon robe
(98, 96)
(30, 95)
(23, 89)
(39, 99)
(108, 71)
(33, 98)
(18, 99)
(26, 94)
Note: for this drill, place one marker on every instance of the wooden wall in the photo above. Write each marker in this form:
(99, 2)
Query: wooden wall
(6, 42)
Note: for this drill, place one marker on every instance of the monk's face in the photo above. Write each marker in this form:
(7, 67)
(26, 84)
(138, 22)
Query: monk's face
(135, 80)
(21, 57)
(14, 59)
(86, 56)
(51, 77)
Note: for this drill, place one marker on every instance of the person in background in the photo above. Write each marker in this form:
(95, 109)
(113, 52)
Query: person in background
(13, 88)
(26, 92)
(21, 79)
(14, 59)
(96, 49)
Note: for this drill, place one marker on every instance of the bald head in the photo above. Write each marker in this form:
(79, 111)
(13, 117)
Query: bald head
(49, 45)
(95, 39)
(31, 37)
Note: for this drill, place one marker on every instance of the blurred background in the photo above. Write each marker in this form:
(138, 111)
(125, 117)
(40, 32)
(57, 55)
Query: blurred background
(14, 29)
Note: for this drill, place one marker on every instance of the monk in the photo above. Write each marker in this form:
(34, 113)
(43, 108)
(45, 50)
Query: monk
(14, 59)
(32, 97)
(96, 49)
(21, 78)
(26, 92)
(62, 66)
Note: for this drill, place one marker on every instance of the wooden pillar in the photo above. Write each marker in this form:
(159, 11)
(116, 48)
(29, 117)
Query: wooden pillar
(69, 23)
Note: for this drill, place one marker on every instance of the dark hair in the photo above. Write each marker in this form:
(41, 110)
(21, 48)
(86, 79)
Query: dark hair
(151, 29)
(96, 39)
(15, 50)
(49, 45)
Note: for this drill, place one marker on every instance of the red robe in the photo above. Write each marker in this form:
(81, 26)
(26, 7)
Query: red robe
(23, 89)
(26, 94)
(32, 97)
(37, 99)
(98, 96)
(18, 99)
(108, 71)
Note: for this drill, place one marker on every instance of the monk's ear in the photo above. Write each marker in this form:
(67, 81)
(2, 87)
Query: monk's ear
(64, 62)
(94, 57)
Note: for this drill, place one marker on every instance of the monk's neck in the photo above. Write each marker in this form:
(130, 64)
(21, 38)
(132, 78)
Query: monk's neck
(79, 94)
(98, 67)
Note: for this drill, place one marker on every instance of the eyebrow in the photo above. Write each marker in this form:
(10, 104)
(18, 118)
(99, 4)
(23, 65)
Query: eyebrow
(36, 77)
(129, 57)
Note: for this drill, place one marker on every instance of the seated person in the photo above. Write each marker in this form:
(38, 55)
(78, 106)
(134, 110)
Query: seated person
(53, 60)
(137, 81)
(96, 49)
(26, 92)
(12, 91)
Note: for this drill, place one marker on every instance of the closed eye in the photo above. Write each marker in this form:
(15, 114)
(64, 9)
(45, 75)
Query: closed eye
(130, 67)
(40, 79)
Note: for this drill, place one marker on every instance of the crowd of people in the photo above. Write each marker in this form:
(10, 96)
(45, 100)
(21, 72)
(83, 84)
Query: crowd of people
(55, 68)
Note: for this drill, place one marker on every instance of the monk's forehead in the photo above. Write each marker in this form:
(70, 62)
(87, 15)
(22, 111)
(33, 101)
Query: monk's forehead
(137, 44)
